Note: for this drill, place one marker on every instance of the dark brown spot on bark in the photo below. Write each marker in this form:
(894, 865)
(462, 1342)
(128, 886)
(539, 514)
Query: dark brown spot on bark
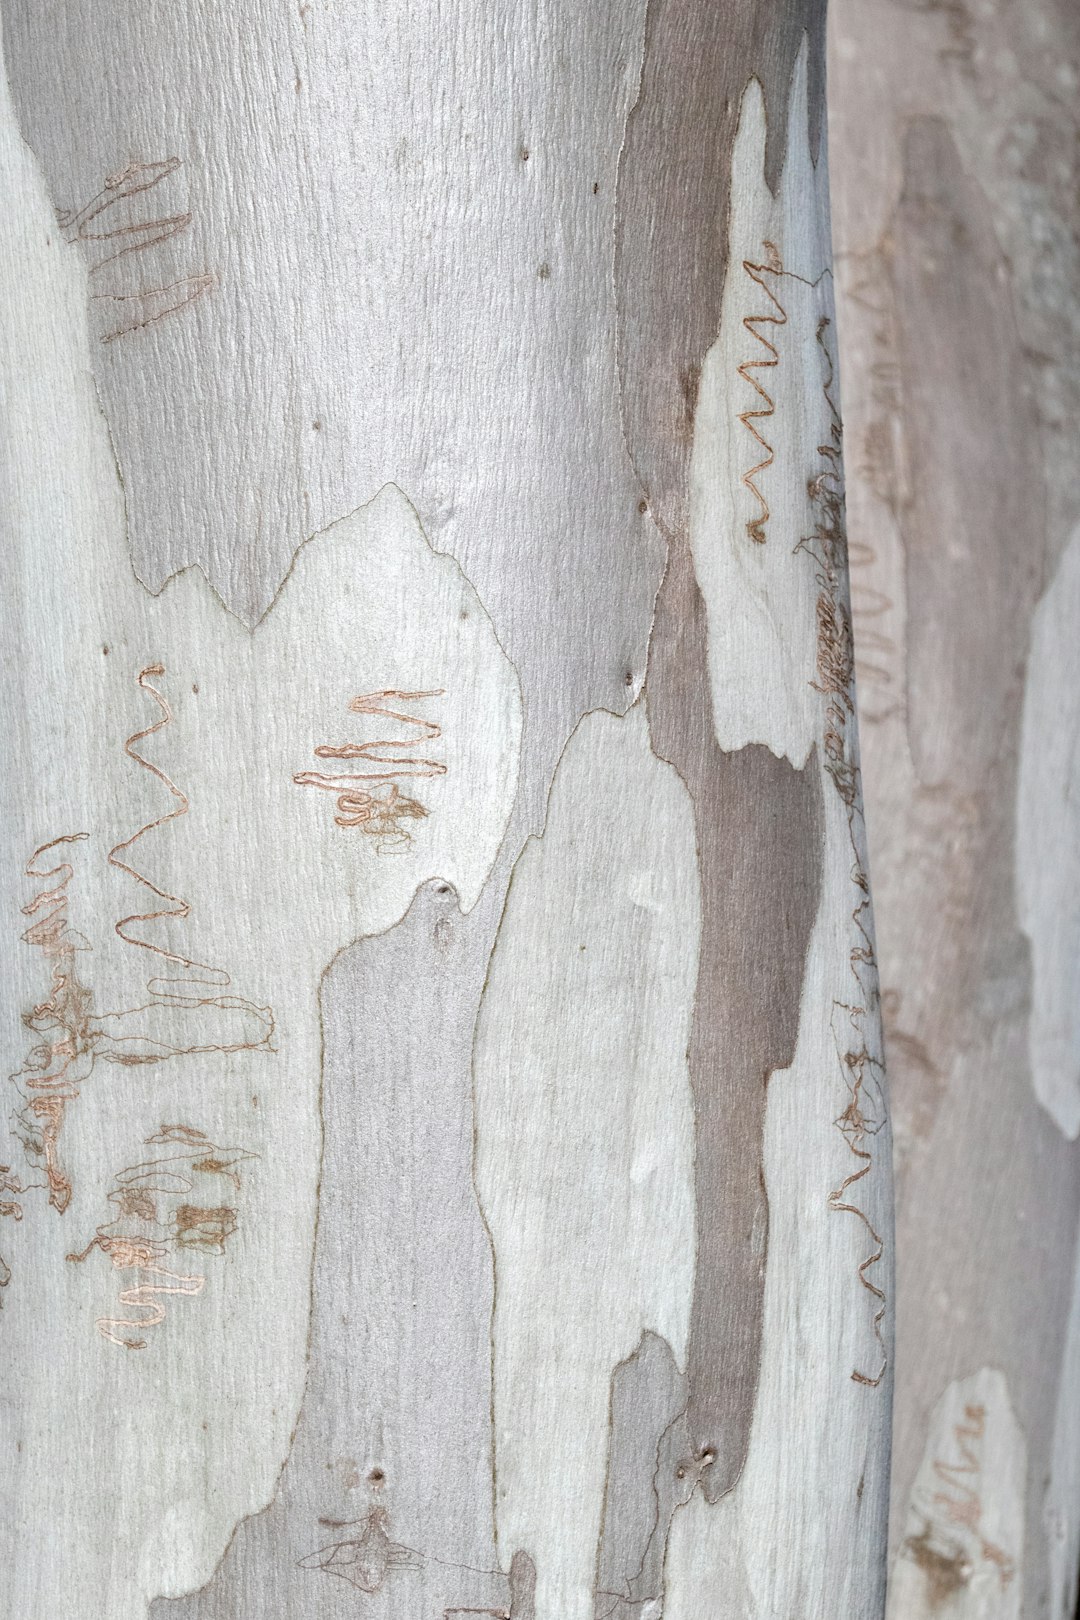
(947, 1570)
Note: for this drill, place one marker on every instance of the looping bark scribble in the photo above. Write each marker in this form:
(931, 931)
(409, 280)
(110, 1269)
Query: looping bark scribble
(382, 817)
(185, 990)
(189, 1012)
(952, 1526)
(861, 1067)
(772, 265)
(155, 1220)
(104, 221)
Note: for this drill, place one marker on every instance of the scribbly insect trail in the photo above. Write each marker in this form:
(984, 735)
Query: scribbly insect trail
(861, 1067)
(365, 1558)
(157, 1216)
(957, 1506)
(772, 265)
(882, 468)
(382, 817)
(186, 990)
(109, 233)
(369, 1555)
(190, 1011)
(63, 1054)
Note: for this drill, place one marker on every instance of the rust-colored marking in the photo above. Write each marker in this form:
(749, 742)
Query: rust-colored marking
(62, 1057)
(861, 1067)
(771, 265)
(100, 222)
(183, 991)
(382, 817)
(961, 1498)
(759, 821)
(153, 1220)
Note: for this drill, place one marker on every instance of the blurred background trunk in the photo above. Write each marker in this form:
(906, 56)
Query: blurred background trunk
(449, 1169)
(956, 177)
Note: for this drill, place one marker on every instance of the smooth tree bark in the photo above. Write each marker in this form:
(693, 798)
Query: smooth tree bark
(449, 1168)
(956, 162)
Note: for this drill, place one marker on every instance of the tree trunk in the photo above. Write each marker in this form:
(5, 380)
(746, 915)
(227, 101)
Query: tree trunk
(449, 1167)
(954, 136)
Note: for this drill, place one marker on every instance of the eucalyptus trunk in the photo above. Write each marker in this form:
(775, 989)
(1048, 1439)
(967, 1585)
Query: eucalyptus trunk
(449, 1168)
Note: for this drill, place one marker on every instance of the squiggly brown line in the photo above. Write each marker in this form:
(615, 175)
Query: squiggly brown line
(90, 225)
(141, 1237)
(381, 817)
(73, 1037)
(772, 265)
(49, 1078)
(155, 302)
(859, 1066)
(965, 1508)
(177, 992)
(944, 1559)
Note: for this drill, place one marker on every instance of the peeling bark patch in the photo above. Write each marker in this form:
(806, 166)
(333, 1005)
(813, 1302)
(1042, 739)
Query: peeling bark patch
(648, 1478)
(698, 60)
(295, 237)
(760, 837)
(758, 818)
(974, 528)
(408, 1402)
(961, 1556)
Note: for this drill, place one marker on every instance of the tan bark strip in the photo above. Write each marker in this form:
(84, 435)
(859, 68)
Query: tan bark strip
(760, 840)
(385, 1498)
(758, 819)
(649, 1476)
(974, 542)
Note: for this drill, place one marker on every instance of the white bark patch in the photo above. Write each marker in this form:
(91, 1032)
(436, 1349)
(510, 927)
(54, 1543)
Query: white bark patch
(172, 945)
(584, 1159)
(377, 246)
(1047, 846)
(962, 1553)
(798, 1533)
(1061, 1507)
(761, 416)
